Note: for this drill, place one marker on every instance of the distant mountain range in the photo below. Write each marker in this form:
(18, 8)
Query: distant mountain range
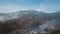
(8, 16)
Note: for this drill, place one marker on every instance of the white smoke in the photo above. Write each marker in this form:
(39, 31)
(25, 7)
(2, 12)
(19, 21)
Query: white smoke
(2, 18)
(49, 25)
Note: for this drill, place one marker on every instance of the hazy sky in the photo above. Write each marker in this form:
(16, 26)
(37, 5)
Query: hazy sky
(7, 6)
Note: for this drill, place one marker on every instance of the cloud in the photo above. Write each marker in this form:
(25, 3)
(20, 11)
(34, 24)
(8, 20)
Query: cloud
(9, 8)
(13, 8)
(41, 7)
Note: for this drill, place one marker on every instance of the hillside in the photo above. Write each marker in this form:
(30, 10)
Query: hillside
(29, 21)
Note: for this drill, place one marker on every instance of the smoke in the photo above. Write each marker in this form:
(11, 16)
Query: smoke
(2, 18)
(49, 26)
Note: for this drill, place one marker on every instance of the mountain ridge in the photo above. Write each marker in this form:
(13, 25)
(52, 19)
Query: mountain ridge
(8, 16)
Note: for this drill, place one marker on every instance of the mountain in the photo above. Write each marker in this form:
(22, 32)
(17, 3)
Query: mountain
(8, 16)
(30, 20)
